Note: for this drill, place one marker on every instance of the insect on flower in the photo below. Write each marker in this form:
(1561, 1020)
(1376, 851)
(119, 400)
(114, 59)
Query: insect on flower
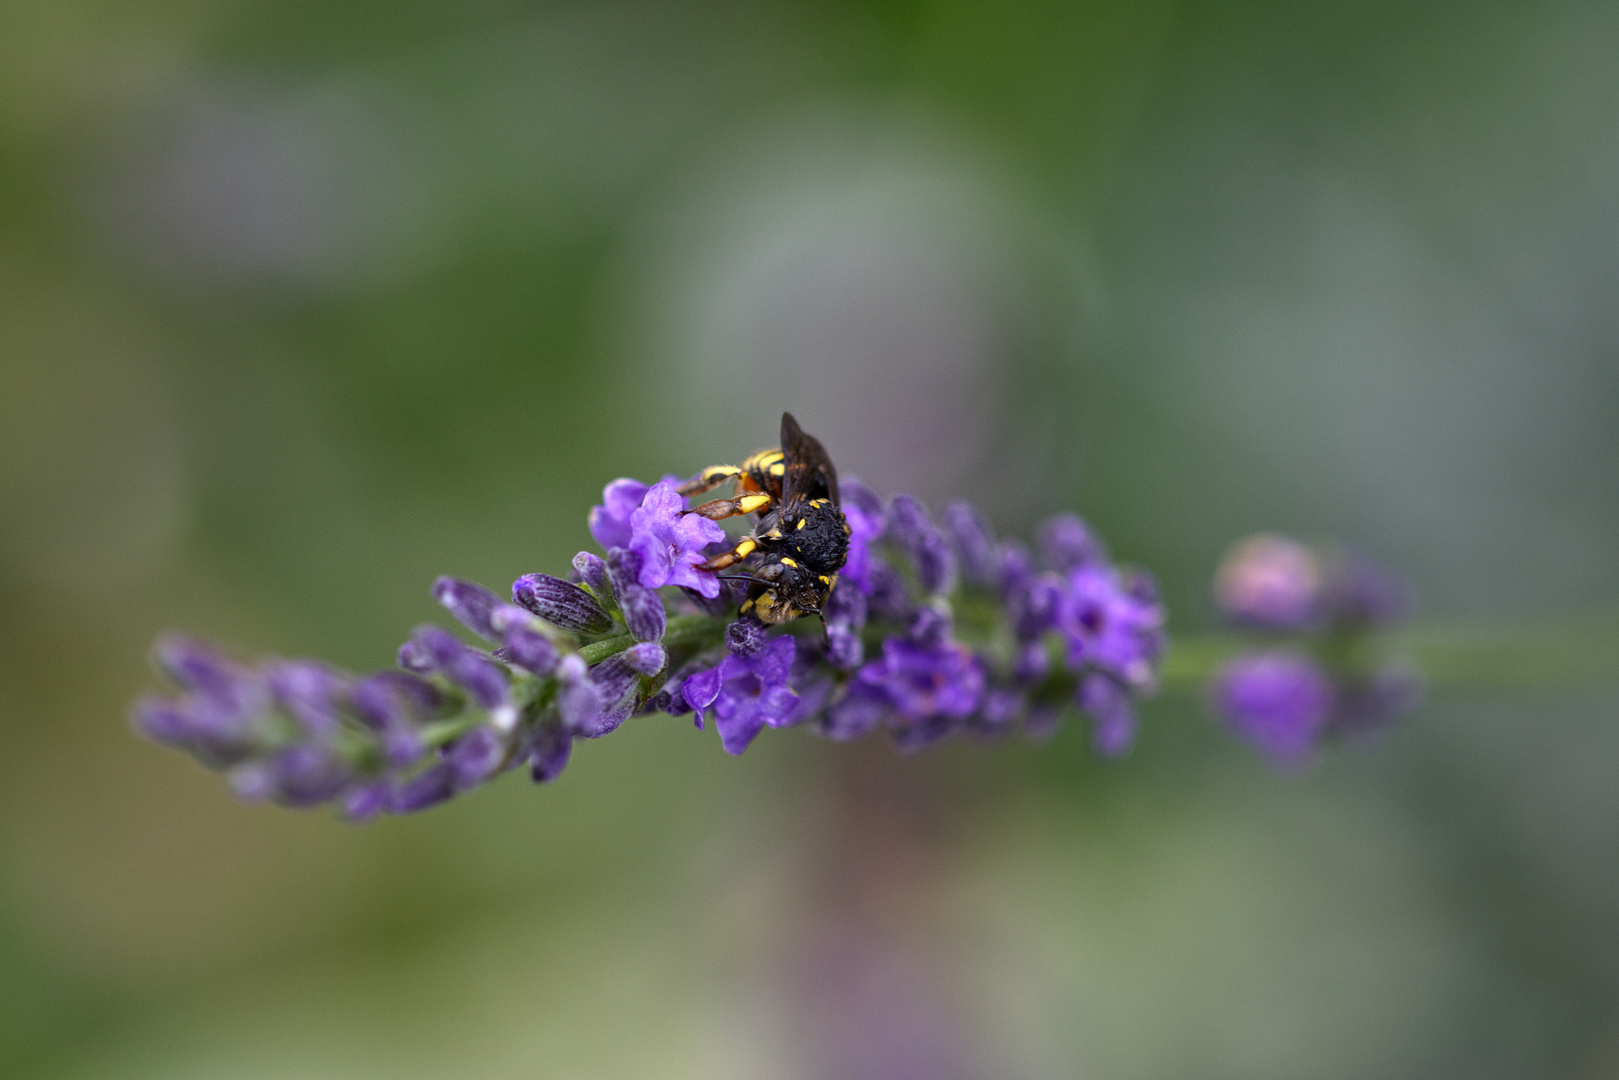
(800, 539)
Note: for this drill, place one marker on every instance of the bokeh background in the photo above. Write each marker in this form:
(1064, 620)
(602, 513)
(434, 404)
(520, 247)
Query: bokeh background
(304, 302)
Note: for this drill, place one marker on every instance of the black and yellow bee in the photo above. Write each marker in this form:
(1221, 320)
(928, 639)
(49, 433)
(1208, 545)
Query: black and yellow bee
(801, 538)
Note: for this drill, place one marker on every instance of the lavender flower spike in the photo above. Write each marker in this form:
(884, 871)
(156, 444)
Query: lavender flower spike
(576, 659)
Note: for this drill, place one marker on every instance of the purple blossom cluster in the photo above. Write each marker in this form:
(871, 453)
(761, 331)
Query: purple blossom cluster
(1323, 671)
(935, 628)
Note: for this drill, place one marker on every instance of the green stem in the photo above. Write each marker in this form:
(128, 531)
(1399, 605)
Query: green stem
(1554, 654)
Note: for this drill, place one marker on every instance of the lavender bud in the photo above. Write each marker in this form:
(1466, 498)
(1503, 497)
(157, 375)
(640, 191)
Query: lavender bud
(593, 572)
(412, 657)
(309, 691)
(552, 747)
(887, 599)
(307, 774)
(1361, 593)
(908, 518)
(525, 646)
(1279, 702)
(974, 544)
(475, 757)
(198, 668)
(867, 502)
(856, 714)
(561, 604)
(1033, 607)
(366, 801)
(844, 649)
(935, 562)
(578, 703)
(480, 677)
(470, 603)
(930, 628)
(643, 612)
(1113, 718)
(847, 605)
(530, 650)
(614, 677)
(431, 786)
(1067, 542)
(1032, 663)
(623, 569)
(253, 781)
(392, 699)
(1271, 582)
(745, 637)
(1014, 566)
(647, 657)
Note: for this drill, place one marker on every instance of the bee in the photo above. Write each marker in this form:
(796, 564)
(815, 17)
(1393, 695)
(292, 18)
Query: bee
(800, 539)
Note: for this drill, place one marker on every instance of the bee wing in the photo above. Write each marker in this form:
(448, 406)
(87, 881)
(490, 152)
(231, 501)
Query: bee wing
(810, 473)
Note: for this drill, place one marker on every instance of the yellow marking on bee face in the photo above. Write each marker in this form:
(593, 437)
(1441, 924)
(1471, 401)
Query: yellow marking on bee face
(773, 534)
(825, 580)
(750, 504)
(789, 562)
(801, 523)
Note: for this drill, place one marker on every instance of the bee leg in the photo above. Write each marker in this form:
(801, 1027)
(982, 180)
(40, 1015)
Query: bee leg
(720, 509)
(726, 559)
(709, 479)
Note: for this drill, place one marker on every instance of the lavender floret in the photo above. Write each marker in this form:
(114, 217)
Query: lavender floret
(644, 616)
(670, 542)
(470, 603)
(561, 603)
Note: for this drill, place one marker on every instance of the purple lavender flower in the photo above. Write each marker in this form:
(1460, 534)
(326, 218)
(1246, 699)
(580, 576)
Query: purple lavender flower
(670, 541)
(746, 693)
(1270, 582)
(610, 522)
(924, 682)
(1280, 702)
(300, 733)
(1109, 626)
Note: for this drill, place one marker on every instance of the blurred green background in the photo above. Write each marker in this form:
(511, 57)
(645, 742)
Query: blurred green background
(303, 303)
